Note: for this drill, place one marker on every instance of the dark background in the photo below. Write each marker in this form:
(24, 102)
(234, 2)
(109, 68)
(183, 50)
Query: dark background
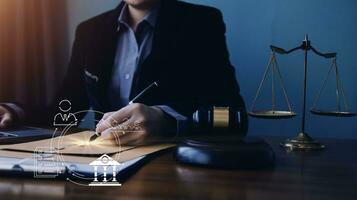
(252, 25)
(255, 24)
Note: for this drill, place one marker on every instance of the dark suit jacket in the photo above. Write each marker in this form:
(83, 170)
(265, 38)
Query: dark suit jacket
(189, 59)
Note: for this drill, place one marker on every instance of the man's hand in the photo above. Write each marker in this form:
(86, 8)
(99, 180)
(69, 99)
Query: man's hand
(136, 124)
(6, 118)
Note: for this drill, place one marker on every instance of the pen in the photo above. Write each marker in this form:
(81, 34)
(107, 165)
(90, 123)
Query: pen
(144, 93)
(95, 136)
(137, 98)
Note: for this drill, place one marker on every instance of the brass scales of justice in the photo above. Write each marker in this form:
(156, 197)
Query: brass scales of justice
(303, 141)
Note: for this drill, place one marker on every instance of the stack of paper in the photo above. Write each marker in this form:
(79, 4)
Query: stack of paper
(75, 149)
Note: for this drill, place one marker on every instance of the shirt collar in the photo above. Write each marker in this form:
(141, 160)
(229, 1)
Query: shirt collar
(151, 17)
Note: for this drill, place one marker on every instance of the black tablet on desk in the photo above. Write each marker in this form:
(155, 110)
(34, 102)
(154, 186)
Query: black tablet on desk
(24, 134)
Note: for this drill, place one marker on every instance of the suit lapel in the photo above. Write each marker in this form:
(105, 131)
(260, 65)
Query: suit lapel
(103, 54)
(162, 43)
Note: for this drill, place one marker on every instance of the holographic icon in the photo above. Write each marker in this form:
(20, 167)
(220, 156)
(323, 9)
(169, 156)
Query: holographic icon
(106, 162)
(46, 163)
(65, 117)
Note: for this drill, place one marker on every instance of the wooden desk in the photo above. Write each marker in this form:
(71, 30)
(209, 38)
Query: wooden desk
(330, 174)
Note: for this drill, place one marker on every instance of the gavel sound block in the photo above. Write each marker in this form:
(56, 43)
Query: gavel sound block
(219, 144)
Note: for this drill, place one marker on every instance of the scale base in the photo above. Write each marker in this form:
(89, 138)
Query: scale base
(303, 142)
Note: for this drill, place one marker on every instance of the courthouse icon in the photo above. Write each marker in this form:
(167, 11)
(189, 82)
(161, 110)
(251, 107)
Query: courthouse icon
(107, 163)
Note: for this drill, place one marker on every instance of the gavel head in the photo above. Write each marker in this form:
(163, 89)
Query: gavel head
(216, 119)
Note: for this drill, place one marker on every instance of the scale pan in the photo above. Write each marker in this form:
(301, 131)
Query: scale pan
(333, 113)
(272, 114)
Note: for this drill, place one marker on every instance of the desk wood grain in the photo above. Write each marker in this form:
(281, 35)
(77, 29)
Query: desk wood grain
(329, 174)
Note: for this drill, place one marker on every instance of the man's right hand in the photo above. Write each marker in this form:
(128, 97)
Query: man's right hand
(6, 118)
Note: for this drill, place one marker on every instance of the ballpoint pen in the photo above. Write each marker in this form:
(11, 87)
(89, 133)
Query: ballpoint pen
(137, 98)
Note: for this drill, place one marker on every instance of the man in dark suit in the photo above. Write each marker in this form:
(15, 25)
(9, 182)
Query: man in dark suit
(117, 54)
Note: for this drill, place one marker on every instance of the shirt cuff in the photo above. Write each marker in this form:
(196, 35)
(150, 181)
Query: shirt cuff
(16, 110)
(182, 121)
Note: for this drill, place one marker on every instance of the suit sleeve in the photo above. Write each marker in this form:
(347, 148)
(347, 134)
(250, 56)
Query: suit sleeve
(217, 75)
(211, 77)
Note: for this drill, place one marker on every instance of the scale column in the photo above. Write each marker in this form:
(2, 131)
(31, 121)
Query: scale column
(303, 141)
(306, 48)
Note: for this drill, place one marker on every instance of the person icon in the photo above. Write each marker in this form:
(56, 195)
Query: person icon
(65, 118)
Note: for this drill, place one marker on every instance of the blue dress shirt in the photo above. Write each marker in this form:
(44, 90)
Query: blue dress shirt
(132, 49)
